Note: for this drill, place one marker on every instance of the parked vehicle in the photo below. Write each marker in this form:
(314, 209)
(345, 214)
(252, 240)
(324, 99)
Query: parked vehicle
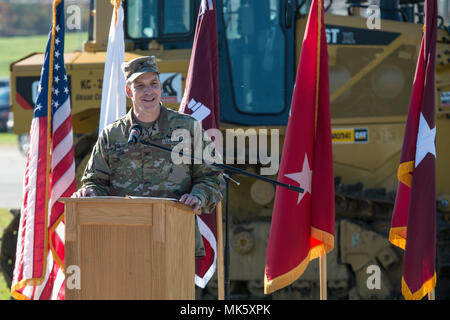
(4, 82)
(4, 108)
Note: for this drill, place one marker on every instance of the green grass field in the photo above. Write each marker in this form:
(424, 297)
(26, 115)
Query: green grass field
(9, 139)
(14, 48)
(5, 219)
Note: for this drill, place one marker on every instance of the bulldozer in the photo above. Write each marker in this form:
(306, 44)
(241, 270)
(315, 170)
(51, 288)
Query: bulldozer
(373, 49)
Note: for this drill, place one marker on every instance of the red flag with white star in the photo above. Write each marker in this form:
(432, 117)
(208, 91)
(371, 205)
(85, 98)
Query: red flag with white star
(413, 226)
(302, 225)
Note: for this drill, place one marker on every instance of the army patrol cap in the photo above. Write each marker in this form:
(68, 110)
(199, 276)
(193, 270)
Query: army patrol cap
(138, 66)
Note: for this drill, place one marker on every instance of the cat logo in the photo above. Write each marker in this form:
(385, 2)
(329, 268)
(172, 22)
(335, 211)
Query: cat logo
(341, 135)
(171, 85)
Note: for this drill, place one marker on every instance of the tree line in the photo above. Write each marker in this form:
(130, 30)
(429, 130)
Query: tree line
(27, 18)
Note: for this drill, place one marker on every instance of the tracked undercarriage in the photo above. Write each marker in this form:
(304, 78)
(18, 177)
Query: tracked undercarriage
(362, 248)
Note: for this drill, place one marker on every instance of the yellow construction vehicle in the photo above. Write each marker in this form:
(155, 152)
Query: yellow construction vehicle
(373, 51)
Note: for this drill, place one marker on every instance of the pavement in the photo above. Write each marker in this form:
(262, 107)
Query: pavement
(12, 169)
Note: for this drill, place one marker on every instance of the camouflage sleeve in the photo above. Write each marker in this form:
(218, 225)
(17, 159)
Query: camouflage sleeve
(97, 172)
(208, 183)
(208, 186)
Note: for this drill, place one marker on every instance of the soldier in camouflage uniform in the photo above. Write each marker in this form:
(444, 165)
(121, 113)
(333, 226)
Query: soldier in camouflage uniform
(119, 169)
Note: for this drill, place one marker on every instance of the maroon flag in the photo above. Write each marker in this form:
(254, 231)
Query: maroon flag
(201, 100)
(302, 225)
(49, 175)
(413, 225)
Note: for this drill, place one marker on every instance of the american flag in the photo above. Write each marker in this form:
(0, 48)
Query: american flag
(49, 175)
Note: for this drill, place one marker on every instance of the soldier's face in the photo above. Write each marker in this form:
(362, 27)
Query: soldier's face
(145, 92)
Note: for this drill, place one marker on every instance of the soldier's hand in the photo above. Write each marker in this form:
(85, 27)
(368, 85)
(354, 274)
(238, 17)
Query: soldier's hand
(83, 192)
(191, 200)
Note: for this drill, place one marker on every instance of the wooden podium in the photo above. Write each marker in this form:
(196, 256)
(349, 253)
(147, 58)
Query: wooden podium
(130, 248)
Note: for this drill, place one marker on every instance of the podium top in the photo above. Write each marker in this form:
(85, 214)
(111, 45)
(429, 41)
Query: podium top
(131, 200)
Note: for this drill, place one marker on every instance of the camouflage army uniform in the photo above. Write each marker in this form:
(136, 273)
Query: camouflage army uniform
(118, 169)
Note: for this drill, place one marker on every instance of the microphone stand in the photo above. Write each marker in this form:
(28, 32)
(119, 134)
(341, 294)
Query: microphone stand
(227, 174)
(226, 258)
(227, 167)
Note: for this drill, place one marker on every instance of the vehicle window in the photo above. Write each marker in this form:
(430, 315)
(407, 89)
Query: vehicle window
(150, 19)
(142, 18)
(4, 97)
(306, 4)
(4, 83)
(256, 45)
(177, 17)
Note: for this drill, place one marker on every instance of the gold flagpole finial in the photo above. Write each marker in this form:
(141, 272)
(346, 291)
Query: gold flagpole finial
(116, 4)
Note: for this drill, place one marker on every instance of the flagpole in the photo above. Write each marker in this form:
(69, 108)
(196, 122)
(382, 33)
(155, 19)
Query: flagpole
(323, 276)
(220, 264)
(227, 242)
(431, 295)
(49, 135)
(322, 258)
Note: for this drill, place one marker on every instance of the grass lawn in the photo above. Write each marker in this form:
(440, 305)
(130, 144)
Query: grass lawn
(5, 219)
(14, 48)
(8, 139)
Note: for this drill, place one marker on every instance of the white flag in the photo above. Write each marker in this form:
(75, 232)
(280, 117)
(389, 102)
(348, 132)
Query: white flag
(113, 104)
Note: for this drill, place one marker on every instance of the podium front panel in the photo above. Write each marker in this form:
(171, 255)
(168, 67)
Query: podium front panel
(130, 249)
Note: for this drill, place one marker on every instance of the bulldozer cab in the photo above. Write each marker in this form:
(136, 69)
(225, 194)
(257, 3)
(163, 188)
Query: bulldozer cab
(256, 50)
(259, 44)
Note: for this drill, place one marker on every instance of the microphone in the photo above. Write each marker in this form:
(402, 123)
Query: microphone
(135, 133)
